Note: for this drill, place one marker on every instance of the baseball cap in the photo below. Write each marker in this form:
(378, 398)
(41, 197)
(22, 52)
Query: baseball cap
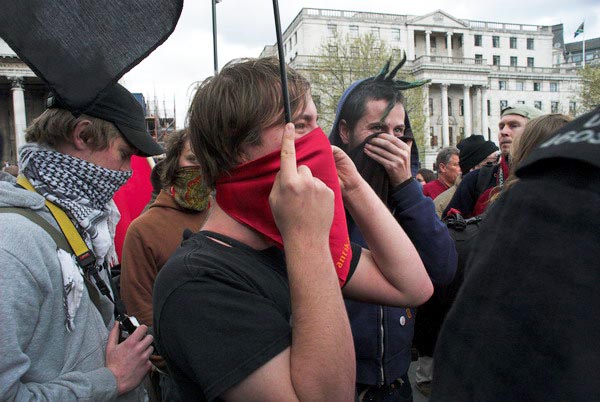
(522, 110)
(119, 107)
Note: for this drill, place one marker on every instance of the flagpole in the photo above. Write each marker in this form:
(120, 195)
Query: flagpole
(284, 86)
(214, 26)
(583, 44)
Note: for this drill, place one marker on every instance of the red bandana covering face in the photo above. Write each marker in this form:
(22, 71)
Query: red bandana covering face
(244, 194)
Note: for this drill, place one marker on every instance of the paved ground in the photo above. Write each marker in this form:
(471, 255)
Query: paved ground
(417, 396)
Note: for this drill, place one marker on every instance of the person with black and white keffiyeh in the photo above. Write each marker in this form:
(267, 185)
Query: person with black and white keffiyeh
(60, 341)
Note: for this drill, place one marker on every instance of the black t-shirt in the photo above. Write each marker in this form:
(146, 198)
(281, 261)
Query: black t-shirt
(221, 312)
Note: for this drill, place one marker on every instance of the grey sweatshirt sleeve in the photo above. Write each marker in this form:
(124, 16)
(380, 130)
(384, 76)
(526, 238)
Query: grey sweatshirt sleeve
(40, 359)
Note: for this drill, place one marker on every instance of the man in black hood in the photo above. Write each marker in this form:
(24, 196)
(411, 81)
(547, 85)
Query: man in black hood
(372, 126)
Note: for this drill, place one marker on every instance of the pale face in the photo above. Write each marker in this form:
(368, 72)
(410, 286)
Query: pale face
(271, 137)
(420, 179)
(116, 157)
(450, 171)
(187, 157)
(371, 122)
(511, 127)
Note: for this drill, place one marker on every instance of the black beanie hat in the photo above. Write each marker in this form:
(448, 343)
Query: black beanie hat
(473, 150)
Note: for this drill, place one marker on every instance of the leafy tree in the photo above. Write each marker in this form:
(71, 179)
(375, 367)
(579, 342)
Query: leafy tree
(590, 87)
(343, 60)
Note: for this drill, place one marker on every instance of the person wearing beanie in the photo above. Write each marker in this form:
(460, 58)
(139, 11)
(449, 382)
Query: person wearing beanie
(475, 152)
(372, 127)
(473, 195)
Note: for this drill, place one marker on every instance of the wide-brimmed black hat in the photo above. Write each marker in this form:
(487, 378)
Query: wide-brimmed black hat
(119, 107)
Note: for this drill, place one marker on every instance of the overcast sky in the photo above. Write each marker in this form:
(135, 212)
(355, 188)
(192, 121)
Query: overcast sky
(245, 27)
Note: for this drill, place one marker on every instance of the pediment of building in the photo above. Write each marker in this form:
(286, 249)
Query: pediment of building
(438, 18)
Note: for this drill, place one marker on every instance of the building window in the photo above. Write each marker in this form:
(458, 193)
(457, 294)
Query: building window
(572, 108)
(554, 87)
(331, 30)
(449, 107)
(295, 38)
(496, 60)
(553, 107)
(395, 34)
(433, 138)
(520, 86)
(451, 135)
(375, 32)
(431, 107)
(354, 31)
(537, 105)
(462, 134)
(354, 51)
(513, 61)
(495, 41)
(478, 40)
(333, 49)
(461, 107)
(536, 86)
(396, 53)
(478, 58)
(530, 62)
(502, 85)
(503, 105)
(513, 42)
(489, 107)
(530, 44)
(433, 42)
(521, 102)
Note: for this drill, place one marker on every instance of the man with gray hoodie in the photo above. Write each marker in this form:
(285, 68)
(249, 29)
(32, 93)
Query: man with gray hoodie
(59, 337)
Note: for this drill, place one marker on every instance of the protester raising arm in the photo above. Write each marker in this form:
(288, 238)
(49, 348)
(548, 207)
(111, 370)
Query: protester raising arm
(319, 365)
(390, 272)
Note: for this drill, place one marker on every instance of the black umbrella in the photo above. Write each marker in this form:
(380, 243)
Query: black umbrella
(81, 47)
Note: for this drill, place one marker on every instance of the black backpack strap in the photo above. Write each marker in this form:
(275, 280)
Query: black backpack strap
(483, 179)
(58, 237)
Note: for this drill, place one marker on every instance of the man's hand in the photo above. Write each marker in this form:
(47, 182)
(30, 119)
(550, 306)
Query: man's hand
(393, 154)
(302, 205)
(347, 173)
(129, 360)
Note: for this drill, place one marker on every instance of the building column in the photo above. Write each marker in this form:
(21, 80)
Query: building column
(484, 115)
(426, 134)
(20, 120)
(427, 43)
(410, 42)
(445, 131)
(449, 43)
(478, 111)
(467, 110)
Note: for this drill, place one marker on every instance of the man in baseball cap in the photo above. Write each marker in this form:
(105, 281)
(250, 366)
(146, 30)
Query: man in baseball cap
(472, 196)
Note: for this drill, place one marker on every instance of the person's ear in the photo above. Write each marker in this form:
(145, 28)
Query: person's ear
(78, 138)
(442, 168)
(344, 131)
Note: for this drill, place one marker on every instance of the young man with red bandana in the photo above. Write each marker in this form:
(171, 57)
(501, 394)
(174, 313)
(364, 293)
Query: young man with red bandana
(250, 308)
(467, 200)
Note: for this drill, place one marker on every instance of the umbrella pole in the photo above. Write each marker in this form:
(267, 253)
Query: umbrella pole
(284, 86)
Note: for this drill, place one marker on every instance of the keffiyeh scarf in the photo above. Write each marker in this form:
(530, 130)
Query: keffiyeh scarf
(84, 192)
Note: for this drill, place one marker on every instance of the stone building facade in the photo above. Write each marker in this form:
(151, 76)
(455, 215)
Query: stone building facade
(476, 67)
(22, 98)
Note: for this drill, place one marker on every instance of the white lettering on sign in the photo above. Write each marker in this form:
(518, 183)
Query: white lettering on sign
(574, 137)
(593, 122)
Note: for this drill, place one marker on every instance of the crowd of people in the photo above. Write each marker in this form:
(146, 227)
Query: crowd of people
(276, 262)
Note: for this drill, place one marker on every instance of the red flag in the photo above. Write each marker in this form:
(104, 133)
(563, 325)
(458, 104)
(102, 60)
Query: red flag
(132, 198)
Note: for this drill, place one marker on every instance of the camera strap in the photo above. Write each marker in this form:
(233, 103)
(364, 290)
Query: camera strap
(83, 255)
